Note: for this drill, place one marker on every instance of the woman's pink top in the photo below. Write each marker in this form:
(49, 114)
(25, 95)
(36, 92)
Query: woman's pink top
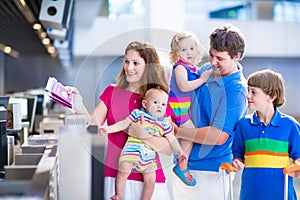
(120, 103)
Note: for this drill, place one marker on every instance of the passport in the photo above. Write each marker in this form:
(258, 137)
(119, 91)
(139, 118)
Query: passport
(59, 93)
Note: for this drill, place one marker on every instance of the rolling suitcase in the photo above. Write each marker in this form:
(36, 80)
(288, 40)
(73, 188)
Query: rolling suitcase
(286, 172)
(229, 168)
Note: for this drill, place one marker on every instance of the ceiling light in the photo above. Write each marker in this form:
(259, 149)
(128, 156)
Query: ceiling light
(7, 49)
(51, 49)
(43, 34)
(37, 26)
(46, 41)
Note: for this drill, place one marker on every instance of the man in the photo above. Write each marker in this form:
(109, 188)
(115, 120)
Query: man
(216, 107)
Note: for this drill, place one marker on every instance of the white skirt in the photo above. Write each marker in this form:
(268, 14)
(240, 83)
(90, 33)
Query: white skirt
(133, 190)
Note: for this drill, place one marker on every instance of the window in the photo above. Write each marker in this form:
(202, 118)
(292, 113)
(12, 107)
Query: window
(118, 9)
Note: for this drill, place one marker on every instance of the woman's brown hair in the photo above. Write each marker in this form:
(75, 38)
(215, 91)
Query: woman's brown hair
(154, 75)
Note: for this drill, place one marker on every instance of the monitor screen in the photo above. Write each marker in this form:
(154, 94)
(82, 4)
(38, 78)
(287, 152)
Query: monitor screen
(28, 108)
(4, 101)
(39, 111)
(24, 107)
(3, 107)
(40, 104)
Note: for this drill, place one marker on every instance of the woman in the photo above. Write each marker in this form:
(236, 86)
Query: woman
(141, 70)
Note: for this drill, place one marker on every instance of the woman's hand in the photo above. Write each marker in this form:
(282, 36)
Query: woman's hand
(238, 165)
(72, 90)
(159, 144)
(138, 130)
(77, 106)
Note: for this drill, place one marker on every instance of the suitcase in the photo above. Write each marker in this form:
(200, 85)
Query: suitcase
(286, 172)
(229, 168)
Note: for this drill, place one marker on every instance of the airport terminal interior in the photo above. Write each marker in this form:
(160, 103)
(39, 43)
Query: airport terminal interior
(46, 151)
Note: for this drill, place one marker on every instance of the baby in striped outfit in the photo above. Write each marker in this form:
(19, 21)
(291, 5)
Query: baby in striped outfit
(138, 155)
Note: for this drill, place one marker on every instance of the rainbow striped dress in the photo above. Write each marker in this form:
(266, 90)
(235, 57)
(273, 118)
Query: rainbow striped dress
(180, 102)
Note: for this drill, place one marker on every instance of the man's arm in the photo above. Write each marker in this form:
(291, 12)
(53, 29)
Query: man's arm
(229, 111)
(206, 135)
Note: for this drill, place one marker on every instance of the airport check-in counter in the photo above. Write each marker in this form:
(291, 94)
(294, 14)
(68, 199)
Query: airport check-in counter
(34, 174)
(81, 158)
(70, 168)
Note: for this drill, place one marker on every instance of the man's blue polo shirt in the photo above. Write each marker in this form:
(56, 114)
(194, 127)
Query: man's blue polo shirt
(219, 103)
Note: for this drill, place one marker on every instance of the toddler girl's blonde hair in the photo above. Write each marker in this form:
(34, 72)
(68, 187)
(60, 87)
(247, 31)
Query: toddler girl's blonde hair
(174, 53)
